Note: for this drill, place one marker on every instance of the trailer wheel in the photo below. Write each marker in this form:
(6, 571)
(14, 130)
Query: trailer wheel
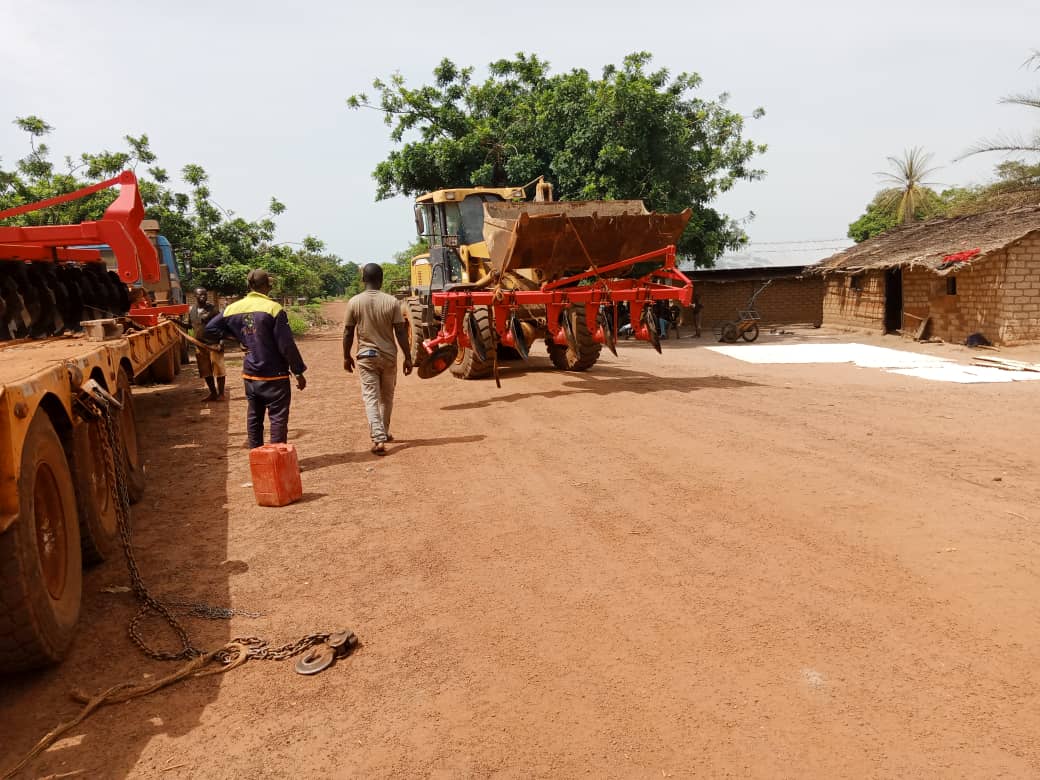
(95, 493)
(564, 357)
(164, 368)
(133, 468)
(751, 333)
(41, 576)
(468, 364)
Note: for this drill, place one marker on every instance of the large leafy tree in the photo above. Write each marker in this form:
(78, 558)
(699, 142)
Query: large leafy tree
(634, 132)
(216, 246)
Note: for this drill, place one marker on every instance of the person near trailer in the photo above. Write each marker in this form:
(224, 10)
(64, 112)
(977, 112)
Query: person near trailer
(261, 325)
(210, 361)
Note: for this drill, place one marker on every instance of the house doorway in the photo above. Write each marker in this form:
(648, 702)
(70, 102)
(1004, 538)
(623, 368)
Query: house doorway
(893, 300)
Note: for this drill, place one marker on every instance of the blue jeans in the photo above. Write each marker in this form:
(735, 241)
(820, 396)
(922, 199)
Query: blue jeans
(663, 325)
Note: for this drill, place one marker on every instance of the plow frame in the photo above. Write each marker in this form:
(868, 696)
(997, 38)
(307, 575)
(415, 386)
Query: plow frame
(564, 293)
(119, 228)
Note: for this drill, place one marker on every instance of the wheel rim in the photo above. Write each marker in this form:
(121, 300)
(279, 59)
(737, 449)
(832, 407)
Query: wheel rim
(51, 543)
(99, 478)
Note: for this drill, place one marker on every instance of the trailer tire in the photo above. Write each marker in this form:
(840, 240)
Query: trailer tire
(41, 575)
(468, 365)
(164, 368)
(130, 451)
(564, 357)
(96, 496)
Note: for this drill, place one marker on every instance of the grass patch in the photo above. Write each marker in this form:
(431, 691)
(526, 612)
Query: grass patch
(305, 318)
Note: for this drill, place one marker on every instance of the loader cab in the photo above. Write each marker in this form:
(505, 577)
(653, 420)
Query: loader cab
(452, 222)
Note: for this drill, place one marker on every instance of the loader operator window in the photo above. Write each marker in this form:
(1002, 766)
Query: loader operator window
(472, 218)
(451, 219)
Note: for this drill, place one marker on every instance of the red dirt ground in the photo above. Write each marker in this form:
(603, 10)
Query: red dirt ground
(669, 566)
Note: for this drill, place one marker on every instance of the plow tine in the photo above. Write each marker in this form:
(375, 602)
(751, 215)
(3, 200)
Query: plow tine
(608, 320)
(518, 337)
(567, 321)
(652, 328)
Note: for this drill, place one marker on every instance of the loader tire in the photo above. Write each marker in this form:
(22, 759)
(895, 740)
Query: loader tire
(468, 364)
(96, 495)
(564, 357)
(130, 451)
(413, 313)
(41, 575)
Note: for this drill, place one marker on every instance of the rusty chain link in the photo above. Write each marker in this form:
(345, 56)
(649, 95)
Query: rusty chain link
(258, 648)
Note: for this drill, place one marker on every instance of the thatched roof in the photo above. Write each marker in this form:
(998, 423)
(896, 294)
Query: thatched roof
(928, 244)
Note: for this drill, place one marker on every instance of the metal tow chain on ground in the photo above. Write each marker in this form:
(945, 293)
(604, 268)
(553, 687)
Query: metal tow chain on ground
(256, 647)
(319, 650)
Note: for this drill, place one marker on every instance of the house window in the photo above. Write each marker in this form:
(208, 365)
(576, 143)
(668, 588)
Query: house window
(856, 282)
(951, 285)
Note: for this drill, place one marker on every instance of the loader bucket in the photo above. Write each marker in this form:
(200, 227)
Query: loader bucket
(558, 239)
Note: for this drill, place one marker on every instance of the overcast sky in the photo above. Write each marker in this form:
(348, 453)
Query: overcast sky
(255, 91)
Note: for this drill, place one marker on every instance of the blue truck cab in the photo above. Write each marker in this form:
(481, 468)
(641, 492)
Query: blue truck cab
(168, 289)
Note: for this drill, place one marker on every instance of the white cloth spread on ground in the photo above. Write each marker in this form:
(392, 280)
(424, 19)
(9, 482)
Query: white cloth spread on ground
(894, 361)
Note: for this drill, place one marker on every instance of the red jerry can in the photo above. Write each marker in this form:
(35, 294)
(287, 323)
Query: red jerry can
(276, 474)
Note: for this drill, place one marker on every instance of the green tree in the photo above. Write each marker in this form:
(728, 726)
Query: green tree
(633, 133)
(217, 246)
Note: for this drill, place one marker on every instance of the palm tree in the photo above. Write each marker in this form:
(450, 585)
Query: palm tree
(1006, 143)
(908, 189)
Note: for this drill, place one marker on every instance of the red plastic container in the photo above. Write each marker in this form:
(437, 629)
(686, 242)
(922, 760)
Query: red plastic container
(276, 474)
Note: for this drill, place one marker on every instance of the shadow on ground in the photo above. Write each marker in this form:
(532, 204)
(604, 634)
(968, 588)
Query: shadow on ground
(316, 462)
(180, 535)
(607, 380)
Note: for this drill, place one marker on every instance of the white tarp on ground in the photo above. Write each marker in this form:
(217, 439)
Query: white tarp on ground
(894, 361)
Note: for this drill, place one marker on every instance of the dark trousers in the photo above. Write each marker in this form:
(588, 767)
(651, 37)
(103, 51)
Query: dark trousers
(272, 397)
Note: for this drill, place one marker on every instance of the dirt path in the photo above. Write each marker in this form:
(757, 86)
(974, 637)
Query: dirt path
(670, 566)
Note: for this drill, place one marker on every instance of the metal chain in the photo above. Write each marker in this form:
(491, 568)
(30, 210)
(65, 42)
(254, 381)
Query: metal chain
(258, 648)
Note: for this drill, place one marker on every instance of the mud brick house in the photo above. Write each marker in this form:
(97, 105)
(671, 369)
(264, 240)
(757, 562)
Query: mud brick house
(946, 278)
(791, 298)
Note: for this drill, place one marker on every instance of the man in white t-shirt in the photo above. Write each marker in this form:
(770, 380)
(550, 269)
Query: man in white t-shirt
(377, 320)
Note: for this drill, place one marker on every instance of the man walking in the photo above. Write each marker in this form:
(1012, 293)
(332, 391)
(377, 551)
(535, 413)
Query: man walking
(377, 319)
(262, 327)
(210, 362)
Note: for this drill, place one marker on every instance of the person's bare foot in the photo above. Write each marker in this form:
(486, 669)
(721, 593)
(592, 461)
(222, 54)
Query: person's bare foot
(210, 399)
(389, 438)
(378, 448)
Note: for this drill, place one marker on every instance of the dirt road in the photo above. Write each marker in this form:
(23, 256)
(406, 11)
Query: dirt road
(672, 565)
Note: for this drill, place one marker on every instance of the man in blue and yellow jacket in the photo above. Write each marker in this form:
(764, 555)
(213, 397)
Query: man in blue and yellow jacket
(262, 327)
